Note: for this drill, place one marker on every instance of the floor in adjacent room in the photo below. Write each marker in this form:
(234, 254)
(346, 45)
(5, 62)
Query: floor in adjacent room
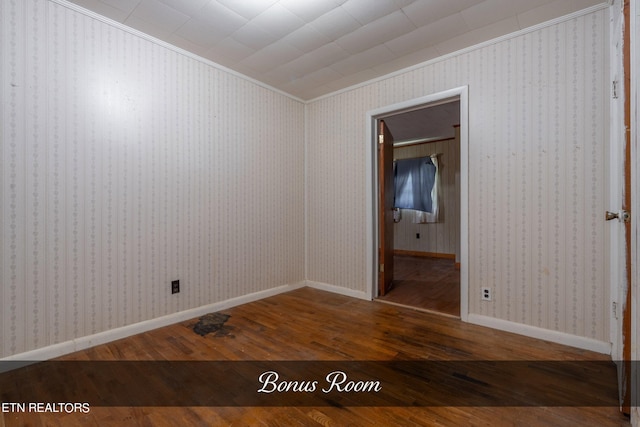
(430, 284)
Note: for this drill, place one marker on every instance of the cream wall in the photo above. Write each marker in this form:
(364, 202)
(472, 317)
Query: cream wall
(126, 164)
(538, 110)
(439, 237)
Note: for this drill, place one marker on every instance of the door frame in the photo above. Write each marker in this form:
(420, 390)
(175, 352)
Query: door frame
(459, 93)
(621, 235)
(634, 97)
(616, 184)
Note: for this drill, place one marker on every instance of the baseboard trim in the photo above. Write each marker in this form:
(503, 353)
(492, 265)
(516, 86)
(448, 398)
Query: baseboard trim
(338, 290)
(421, 254)
(82, 343)
(541, 333)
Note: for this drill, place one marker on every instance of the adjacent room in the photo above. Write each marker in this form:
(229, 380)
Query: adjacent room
(426, 240)
(212, 181)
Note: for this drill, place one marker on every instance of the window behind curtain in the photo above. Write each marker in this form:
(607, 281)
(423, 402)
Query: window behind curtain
(414, 184)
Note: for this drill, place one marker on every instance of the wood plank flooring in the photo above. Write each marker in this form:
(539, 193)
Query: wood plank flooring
(431, 284)
(309, 324)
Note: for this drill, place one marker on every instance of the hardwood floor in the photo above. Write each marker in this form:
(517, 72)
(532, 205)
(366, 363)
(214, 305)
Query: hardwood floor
(313, 325)
(431, 284)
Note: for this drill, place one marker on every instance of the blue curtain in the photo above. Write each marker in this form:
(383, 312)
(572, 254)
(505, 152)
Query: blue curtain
(414, 180)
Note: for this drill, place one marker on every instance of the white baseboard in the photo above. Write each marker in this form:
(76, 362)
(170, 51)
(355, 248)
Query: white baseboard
(540, 333)
(81, 343)
(338, 290)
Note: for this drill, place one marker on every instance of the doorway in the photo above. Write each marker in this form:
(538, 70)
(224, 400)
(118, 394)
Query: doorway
(425, 247)
(414, 265)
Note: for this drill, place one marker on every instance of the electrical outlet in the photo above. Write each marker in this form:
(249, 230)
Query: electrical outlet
(486, 294)
(175, 286)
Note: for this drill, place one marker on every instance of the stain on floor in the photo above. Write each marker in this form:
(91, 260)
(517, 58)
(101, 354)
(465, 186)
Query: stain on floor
(213, 323)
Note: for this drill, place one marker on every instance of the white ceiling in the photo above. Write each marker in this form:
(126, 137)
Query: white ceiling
(308, 48)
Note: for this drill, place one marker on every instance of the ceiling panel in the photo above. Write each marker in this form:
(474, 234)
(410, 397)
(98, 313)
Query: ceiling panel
(544, 13)
(188, 7)
(278, 20)
(212, 24)
(488, 12)
(421, 15)
(127, 6)
(335, 23)
(368, 59)
(376, 33)
(309, 10)
(312, 47)
(365, 11)
(322, 57)
(229, 49)
(406, 61)
(104, 9)
(159, 14)
(254, 36)
(488, 32)
(306, 38)
(200, 32)
(428, 35)
(247, 9)
(149, 28)
(271, 57)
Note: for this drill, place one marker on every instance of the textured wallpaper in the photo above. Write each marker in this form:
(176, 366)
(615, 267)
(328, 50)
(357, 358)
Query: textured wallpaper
(538, 111)
(125, 165)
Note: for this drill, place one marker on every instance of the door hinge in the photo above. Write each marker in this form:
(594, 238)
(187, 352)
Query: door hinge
(615, 89)
(381, 268)
(622, 216)
(381, 139)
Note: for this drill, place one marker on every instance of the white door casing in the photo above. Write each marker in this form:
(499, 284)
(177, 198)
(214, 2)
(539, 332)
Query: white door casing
(461, 94)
